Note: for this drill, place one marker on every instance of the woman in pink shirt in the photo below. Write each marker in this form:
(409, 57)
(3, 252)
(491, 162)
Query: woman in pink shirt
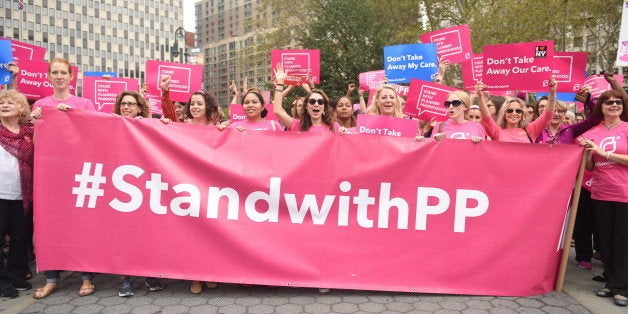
(315, 118)
(60, 75)
(253, 107)
(510, 125)
(607, 156)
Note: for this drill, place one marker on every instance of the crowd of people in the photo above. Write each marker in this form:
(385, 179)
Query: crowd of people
(477, 116)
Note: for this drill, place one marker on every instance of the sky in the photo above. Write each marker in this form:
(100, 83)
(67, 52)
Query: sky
(188, 15)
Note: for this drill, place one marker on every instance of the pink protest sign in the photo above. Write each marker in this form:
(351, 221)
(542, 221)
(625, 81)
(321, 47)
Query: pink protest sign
(472, 71)
(425, 100)
(387, 126)
(297, 64)
(26, 52)
(505, 93)
(237, 114)
(33, 80)
(453, 43)
(569, 69)
(104, 91)
(184, 78)
(371, 80)
(521, 66)
(599, 84)
(154, 103)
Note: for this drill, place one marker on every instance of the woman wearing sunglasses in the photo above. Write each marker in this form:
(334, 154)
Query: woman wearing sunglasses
(315, 118)
(458, 126)
(607, 157)
(510, 125)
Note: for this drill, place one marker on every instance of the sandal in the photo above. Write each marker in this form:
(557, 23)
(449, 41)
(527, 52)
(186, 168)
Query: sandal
(211, 285)
(42, 292)
(197, 287)
(86, 290)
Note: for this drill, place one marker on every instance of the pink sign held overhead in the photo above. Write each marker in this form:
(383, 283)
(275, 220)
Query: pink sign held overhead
(104, 91)
(599, 84)
(297, 64)
(386, 126)
(569, 69)
(453, 43)
(522, 66)
(184, 78)
(425, 100)
(472, 71)
(26, 52)
(237, 113)
(33, 80)
(371, 80)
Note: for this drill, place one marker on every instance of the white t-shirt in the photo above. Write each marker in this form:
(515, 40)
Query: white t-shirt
(9, 176)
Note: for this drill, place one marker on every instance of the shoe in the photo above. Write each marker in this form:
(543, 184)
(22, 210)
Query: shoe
(154, 284)
(597, 256)
(323, 290)
(620, 302)
(22, 285)
(125, 289)
(604, 293)
(9, 292)
(86, 290)
(585, 265)
(43, 292)
(599, 278)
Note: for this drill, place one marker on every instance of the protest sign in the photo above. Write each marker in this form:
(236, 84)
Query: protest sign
(6, 56)
(297, 64)
(404, 62)
(425, 101)
(272, 208)
(101, 74)
(23, 52)
(599, 84)
(371, 80)
(569, 69)
(33, 80)
(472, 71)
(452, 43)
(104, 91)
(184, 78)
(387, 126)
(622, 46)
(522, 66)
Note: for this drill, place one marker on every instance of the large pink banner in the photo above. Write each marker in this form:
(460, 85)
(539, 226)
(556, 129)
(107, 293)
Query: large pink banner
(426, 101)
(141, 198)
(522, 66)
(297, 64)
(33, 80)
(23, 52)
(104, 91)
(569, 69)
(452, 43)
(386, 126)
(185, 79)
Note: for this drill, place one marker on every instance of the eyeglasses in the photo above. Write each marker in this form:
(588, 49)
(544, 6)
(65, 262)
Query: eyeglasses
(454, 103)
(613, 102)
(312, 101)
(518, 111)
(128, 104)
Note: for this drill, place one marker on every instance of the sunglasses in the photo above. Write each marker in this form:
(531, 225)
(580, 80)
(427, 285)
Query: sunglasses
(313, 101)
(518, 111)
(613, 102)
(454, 103)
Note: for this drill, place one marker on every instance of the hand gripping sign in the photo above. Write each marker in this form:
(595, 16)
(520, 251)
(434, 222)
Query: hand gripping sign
(297, 64)
(453, 43)
(425, 100)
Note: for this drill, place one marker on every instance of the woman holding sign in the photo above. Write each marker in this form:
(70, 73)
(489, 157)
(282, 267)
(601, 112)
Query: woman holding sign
(510, 125)
(315, 117)
(607, 157)
(60, 76)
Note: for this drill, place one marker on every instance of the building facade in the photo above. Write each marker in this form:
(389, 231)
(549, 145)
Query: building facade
(100, 36)
(229, 33)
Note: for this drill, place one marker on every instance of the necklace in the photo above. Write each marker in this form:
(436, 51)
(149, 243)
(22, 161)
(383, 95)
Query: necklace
(608, 127)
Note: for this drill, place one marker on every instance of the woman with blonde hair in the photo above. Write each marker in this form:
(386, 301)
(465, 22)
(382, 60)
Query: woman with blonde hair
(387, 103)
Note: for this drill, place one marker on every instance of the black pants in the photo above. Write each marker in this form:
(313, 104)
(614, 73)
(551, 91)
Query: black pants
(584, 227)
(612, 222)
(19, 227)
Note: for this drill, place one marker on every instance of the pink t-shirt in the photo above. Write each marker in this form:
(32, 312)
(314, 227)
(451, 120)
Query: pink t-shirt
(74, 102)
(517, 135)
(610, 179)
(296, 126)
(463, 131)
(264, 125)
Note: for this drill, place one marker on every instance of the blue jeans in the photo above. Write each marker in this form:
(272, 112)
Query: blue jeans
(52, 276)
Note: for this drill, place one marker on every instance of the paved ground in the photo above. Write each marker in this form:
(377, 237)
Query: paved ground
(578, 297)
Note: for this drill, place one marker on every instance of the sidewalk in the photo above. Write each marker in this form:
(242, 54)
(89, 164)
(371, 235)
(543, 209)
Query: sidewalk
(578, 297)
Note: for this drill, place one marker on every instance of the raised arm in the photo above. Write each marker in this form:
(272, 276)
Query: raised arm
(491, 128)
(167, 105)
(14, 69)
(281, 113)
(362, 101)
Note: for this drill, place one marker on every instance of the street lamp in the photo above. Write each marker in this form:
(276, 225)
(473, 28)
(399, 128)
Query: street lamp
(174, 49)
